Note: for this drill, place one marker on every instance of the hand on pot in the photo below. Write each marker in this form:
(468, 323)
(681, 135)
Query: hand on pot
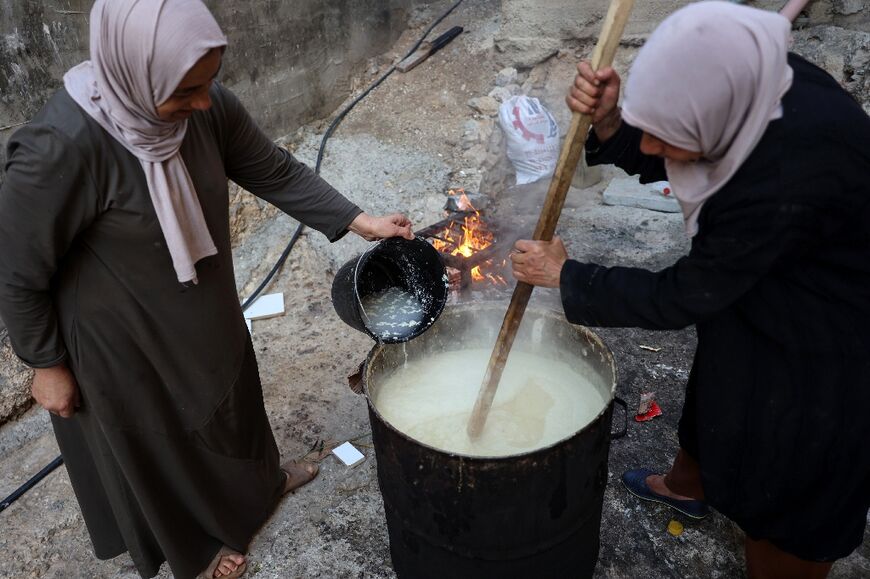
(373, 228)
(539, 262)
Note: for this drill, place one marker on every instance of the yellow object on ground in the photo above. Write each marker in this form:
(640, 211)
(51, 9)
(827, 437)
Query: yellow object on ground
(675, 528)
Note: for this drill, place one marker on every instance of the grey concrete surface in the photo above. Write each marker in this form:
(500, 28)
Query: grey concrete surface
(401, 148)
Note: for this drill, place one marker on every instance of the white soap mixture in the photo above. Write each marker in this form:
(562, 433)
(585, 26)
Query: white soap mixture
(392, 312)
(539, 401)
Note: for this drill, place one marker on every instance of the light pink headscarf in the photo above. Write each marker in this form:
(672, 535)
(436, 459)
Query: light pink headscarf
(709, 79)
(140, 52)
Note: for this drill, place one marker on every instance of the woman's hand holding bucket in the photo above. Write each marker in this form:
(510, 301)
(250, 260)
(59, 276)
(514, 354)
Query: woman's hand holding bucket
(373, 228)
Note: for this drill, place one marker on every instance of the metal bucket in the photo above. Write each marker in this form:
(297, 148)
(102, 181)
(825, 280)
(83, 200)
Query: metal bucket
(411, 265)
(527, 515)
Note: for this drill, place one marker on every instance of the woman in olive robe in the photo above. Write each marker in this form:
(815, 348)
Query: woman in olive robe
(117, 286)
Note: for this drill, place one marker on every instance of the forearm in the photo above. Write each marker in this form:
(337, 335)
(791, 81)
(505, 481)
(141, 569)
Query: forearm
(296, 190)
(33, 327)
(622, 149)
(690, 291)
(608, 126)
(594, 295)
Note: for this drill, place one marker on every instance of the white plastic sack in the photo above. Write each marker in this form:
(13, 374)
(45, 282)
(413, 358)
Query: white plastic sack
(532, 137)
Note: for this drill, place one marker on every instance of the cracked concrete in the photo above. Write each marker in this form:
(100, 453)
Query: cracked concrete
(402, 148)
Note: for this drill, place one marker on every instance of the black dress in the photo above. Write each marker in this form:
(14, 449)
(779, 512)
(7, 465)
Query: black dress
(777, 283)
(171, 454)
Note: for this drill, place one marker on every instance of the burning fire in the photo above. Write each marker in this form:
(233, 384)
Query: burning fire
(475, 237)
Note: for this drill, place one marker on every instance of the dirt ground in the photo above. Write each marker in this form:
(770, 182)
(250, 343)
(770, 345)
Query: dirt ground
(402, 149)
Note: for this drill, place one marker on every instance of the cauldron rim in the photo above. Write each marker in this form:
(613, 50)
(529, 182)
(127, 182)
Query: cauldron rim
(590, 336)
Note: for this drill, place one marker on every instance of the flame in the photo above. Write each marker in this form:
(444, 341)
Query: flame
(475, 236)
(464, 203)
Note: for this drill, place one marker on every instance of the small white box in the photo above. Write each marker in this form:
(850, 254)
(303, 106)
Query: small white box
(348, 454)
(266, 307)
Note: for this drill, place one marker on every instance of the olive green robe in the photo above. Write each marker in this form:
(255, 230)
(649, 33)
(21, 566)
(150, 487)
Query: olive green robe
(171, 454)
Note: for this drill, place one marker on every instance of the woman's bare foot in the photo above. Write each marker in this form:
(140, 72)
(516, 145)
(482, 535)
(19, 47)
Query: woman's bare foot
(656, 483)
(298, 474)
(229, 564)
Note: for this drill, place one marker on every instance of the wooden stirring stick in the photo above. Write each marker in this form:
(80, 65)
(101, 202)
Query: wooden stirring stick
(602, 56)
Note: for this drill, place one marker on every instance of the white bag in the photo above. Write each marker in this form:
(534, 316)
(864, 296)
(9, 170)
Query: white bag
(532, 137)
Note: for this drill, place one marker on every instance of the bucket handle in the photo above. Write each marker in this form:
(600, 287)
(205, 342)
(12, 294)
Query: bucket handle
(621, 432)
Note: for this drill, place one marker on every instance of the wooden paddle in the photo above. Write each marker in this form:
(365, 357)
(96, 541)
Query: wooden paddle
(602, 56)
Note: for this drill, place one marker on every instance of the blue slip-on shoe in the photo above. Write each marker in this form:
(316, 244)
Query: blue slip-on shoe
(635, 482)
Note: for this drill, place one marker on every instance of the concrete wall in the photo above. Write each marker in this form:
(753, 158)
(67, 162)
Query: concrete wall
(289, 61)
(834, 34)
(535, 29)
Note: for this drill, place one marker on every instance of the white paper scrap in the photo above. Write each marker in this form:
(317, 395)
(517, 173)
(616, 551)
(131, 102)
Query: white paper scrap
(348, 454)
(267, 306)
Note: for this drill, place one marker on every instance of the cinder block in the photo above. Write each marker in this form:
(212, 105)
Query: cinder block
(628, 192)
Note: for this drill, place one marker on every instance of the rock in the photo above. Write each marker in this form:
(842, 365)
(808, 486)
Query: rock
(486, 105)
(496, 139)
(477, 132)
(468, 179)
(493, 158)
(15, 379)
(506, 76)
(537, 79)
(476, 155)
(514, 89)
(247, 214)
(372, 67)
(526, 52)
(843, 53)
(501, 93)
(470, 134)
(486, 128)
(848, 7)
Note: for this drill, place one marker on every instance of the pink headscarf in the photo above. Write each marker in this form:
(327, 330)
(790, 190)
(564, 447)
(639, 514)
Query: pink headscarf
(709, 79)
(140, 52)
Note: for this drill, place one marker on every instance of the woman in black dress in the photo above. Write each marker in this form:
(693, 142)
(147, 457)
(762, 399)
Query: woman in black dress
(770, 160)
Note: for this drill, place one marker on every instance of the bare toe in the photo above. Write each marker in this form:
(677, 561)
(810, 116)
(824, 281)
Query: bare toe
(298, 474)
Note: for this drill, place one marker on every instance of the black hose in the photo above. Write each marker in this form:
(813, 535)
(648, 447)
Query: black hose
(30, 483)
(331, 129)
(284, 255)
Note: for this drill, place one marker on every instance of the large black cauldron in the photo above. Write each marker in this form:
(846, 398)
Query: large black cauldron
(533, 515)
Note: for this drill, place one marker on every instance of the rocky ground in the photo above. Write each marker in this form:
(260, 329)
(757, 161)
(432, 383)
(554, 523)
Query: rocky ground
(411, 140)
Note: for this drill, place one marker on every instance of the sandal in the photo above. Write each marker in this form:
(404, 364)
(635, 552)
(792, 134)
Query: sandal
(210, 570)
(635, 482)
(299, 473)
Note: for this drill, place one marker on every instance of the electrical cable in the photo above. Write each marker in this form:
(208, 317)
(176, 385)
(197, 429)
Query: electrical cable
(284, 255)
